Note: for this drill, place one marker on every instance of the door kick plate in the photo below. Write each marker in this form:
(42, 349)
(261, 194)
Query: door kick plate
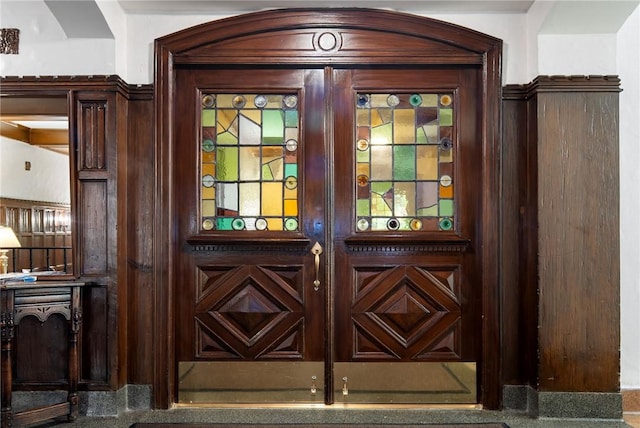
(209, 382)
(405, 383)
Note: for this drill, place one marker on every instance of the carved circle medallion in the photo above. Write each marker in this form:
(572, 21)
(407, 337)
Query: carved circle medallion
(328, 41)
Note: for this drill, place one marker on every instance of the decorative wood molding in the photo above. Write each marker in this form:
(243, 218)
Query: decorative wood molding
(243, 248)
(7, 324)
(407, 244)
(9, 41)
(42, 303)
(587, 83)
(60, 85)
(432, 247)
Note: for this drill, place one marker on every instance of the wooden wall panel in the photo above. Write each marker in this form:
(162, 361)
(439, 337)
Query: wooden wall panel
(93, 214)
(139, 260)
(518, 295)
(561, 330)
(578, 241)
(95, 341)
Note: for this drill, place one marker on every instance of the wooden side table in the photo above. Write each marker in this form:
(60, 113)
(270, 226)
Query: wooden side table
(40, 299)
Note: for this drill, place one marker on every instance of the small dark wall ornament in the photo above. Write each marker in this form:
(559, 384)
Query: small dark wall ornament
(9, 40)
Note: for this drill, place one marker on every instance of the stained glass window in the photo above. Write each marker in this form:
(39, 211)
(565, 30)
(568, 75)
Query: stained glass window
(249, 162)
(404, 157)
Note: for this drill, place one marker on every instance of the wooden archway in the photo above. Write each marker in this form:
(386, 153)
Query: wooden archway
(320, 38)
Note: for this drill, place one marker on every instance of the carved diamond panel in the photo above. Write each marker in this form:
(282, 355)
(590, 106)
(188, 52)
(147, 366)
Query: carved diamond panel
(249, 312)
(405, 313)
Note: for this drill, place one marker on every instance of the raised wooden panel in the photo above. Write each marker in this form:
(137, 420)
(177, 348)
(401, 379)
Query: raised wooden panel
(94, 354)
(92, 138)
(93, 215)
(41, 348)
(405, 313)
(250, 312)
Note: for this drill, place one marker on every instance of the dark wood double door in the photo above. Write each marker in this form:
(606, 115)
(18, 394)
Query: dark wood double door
(349, 303)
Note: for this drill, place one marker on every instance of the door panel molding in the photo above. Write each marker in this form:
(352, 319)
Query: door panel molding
(332, 36)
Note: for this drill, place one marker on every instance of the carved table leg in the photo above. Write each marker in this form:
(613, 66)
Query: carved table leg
(6, 332)
(76, 321)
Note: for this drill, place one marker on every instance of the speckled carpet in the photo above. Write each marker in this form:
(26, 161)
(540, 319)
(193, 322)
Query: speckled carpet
(173, 425)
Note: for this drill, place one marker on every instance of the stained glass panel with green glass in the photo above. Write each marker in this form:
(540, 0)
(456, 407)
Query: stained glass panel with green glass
(249, 162)
(404, 162)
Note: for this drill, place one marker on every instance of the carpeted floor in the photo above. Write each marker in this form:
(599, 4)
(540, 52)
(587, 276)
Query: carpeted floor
(162, 425)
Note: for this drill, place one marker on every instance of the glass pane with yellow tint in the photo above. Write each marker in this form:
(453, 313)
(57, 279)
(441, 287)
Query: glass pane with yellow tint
(271, 199)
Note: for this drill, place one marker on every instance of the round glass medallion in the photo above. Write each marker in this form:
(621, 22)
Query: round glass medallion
(446, 223)
(446, 144)
(207, 224)
(415, 224)
(208, 101)
(363, 100)
(291, 182)
(237, 224)
(446, 100)
(260, 101)
(291, 224)
(393, 100)
(446, 180)
(239, 101)
(363, 224)
(393, 224)
(290, 101)
(363, 144)
(291, 145)
(208, 180)
(415, 100)
(363, 180)
(208, 145)
(261, 224)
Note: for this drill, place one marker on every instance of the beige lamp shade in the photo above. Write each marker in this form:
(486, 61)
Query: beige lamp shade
(8, 239)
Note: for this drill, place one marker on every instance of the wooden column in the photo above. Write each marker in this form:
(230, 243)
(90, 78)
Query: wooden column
(568, 240)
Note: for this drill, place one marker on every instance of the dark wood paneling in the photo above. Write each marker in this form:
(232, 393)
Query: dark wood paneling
(104, 132)
(519, 301)
(38, 224)
(92, 215)
(139, 260)
(95, 339)
(578, 241)
(92, 137)
(41, 352)
(561, 307)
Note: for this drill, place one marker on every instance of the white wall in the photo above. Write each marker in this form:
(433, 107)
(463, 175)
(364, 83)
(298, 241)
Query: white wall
(44, 50)
(580, 54)
(47, 181)
(628, 63)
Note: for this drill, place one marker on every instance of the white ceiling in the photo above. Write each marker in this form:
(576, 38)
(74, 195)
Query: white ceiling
(226, 6)
(84, 19)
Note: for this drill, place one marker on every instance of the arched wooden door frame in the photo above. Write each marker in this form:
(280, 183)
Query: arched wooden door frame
(332, 37)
